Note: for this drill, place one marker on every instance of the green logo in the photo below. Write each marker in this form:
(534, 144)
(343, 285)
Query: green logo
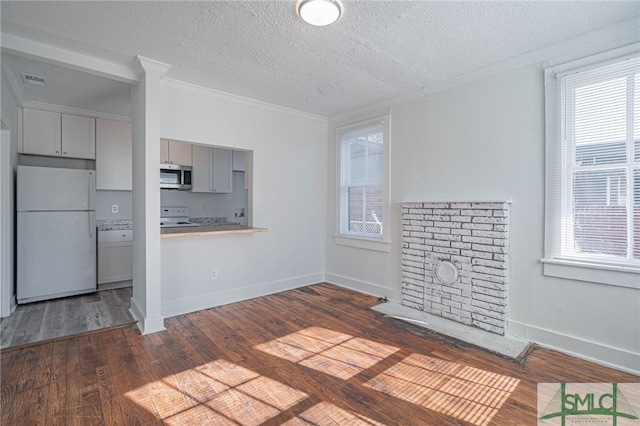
(585, 402)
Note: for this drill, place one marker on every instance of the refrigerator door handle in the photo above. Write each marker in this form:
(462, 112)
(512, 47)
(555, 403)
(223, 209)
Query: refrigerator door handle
(91, 191)
(92, 223)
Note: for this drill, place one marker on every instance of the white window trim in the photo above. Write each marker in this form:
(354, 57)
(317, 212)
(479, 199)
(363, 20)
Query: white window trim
(555, 265)
(376, 243)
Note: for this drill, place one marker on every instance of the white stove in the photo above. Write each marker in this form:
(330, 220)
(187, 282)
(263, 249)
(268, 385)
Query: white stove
(173, 217)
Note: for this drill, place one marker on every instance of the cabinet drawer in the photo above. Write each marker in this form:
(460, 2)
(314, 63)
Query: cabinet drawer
(115, 236)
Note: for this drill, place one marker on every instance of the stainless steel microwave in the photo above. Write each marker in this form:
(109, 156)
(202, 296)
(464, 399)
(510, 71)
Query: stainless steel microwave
(175, 176)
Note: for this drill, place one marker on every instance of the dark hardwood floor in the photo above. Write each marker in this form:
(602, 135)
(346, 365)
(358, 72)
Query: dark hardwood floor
(311, 356)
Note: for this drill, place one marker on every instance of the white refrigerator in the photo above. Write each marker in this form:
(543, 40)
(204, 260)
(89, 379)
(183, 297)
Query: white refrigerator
(56, 233)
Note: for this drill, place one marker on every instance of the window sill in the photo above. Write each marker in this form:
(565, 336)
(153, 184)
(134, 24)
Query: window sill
(620, 276)
(363, 243)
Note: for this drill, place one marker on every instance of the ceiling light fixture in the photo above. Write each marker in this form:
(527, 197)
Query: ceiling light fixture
(319, 12)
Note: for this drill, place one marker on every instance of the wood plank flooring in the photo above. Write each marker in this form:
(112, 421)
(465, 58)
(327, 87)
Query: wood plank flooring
(39, 321)
(310, 356)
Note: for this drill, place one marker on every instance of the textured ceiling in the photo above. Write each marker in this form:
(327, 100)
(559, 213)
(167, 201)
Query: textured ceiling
(260, 49)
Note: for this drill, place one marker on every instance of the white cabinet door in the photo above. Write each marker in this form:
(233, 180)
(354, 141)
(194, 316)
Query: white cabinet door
(78, 137)
(180, 153)
(40, 132)
(175, 153)
(113, 155)
(58, 135)
(201, 173)
(164, 151)
(221, 172)
(115, 256)
(238, 161)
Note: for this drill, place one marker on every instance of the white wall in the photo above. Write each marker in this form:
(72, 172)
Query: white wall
(8, 164)
(289, 193)
(485, 141)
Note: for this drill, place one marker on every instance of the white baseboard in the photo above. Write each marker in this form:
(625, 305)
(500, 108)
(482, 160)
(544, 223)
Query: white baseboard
(115, 285)
(146, 325)
(363, 287)
(617, 358)
(206, 301)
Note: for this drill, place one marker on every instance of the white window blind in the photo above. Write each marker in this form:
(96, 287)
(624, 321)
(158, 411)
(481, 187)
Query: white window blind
(599, 116)
(362, 181)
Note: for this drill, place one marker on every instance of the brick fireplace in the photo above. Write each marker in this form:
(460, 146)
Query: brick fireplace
(454, 261)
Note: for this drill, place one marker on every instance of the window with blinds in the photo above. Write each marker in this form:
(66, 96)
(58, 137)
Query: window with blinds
(599, 130)
(362, 180)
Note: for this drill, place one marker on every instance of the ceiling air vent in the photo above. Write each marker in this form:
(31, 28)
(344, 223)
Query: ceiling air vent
(34, 79)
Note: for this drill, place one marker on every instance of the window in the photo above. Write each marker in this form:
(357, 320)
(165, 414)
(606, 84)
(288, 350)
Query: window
(363, 204)
(593, 191)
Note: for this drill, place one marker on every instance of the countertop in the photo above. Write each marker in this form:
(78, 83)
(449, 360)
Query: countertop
(202, 231)
(114, 224)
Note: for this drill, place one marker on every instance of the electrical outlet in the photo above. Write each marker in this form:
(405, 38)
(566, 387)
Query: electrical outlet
(214, 274)
(114, 208)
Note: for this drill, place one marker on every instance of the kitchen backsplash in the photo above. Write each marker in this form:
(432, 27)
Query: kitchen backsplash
(204, 207)
(106, 199)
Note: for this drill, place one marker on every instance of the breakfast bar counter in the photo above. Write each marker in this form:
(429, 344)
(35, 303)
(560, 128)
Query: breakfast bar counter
(207, 231)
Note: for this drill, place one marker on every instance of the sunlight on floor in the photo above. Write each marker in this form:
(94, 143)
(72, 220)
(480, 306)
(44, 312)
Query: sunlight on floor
(221, 392)
(466, 393)
(218, 392)
(325, 413)
(459, 391)
(338, 354)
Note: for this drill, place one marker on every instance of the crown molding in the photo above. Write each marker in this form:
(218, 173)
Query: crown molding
(75, 111)
(66, 58)
(143, 65)
(614, 36)
(190, 89)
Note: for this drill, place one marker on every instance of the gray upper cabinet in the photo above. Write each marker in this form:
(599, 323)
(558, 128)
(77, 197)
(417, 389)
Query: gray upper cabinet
(201, 174)
(113, 155)
(222, 176)
(58, 135)
(212, 170)
(238, 161)
(175, 153)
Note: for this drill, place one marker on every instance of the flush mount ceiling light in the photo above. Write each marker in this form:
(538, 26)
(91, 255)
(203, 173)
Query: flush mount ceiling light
(319, 12)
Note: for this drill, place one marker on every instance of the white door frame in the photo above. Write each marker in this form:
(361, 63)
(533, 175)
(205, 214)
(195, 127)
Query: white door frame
(6, 281)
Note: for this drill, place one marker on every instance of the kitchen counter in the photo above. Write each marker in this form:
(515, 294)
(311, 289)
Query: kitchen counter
(114, 224)
(204, 231)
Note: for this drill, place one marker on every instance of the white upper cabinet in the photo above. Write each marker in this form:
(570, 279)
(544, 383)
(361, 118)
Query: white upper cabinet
(78, 137)
(201, 179)
(41, 132)
(113, 155)
(221, 171)
(58, 135)
(164, 151)
(238, 161)
(175, 153)
(212, 170)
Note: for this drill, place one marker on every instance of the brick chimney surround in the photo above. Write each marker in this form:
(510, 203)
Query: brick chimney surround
(455, 261)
